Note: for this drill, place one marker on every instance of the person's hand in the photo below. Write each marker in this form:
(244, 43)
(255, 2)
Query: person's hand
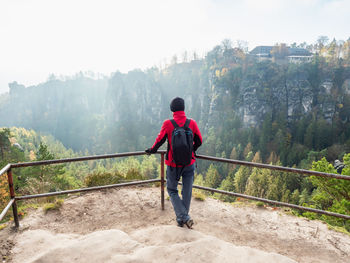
(150, 151)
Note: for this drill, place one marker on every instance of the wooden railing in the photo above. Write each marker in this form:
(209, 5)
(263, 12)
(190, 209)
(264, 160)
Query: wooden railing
(12, 203)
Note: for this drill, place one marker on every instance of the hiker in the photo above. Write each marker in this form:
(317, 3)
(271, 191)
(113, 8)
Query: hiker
(179, 159)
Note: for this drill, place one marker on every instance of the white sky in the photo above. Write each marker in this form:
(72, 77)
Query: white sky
(40, 37)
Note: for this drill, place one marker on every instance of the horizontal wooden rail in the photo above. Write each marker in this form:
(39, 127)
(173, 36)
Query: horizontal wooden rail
(273, 202)
(94, 188)
(203, 157)
(77, 159)
(275, 167)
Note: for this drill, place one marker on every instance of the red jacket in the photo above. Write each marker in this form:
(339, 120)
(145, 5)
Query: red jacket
(166, 131)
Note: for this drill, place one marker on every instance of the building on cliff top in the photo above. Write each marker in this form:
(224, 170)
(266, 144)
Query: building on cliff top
(282, 52)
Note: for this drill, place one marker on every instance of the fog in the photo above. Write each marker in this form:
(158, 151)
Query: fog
(41, 37)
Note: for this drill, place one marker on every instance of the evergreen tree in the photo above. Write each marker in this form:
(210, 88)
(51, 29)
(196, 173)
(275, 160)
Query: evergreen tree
(199, 180)
(45, 178)
(241, 178)
(212, 177)
(304, 197)
(228, 185)
(259, 182)
(4, 142)
(295, 197)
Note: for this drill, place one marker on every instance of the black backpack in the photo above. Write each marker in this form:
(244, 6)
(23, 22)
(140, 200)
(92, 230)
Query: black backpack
(182, 143)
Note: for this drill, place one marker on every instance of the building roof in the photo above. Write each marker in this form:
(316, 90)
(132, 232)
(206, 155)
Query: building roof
(266, 51)
(261, 50)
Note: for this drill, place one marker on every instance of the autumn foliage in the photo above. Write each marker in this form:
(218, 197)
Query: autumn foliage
(4, 193)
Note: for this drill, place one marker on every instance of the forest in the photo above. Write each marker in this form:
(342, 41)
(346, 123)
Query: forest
(270, 111)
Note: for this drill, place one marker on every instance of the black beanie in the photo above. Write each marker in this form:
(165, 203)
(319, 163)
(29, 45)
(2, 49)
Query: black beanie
(177, 104)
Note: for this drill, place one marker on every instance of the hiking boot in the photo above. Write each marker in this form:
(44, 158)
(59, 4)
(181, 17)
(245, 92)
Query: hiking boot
(180, 224)
(189, 223)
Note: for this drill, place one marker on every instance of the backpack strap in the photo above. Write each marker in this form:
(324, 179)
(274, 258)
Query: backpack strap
(174, 123)
(187, 123)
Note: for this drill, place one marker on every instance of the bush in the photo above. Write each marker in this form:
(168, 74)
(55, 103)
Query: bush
(4, 192)
(24, 207)
(260, 204)
(103, 178)
(198, 195)
(133, 174)
(53, 206)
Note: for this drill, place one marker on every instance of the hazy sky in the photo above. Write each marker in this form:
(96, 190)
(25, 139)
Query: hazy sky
(40, 37)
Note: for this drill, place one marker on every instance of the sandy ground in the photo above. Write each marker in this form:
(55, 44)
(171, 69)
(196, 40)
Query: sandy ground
(127, 225)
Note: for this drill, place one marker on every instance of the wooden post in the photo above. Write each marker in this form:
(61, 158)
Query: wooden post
(162, 180)
(12, 195)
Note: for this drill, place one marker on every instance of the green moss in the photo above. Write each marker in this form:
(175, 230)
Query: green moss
(260, 204)
(53, 206)
(338, 229)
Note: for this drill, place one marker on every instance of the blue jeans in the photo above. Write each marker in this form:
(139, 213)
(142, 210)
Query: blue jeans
(181, 206)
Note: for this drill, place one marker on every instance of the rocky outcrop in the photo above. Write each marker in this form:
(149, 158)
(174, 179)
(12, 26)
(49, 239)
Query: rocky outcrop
(213, 94)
